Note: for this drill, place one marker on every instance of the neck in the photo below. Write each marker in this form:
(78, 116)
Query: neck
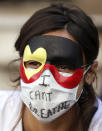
(69, 121)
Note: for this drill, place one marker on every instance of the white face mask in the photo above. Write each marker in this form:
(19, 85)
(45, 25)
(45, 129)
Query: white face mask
(46, 99)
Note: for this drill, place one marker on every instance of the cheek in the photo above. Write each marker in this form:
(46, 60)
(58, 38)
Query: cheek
(80, 88)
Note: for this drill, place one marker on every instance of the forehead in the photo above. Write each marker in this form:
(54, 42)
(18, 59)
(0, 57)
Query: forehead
(59, 49)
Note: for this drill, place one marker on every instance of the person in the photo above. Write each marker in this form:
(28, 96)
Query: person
(58, 47)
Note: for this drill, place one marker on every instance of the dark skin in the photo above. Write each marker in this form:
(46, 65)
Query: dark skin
(71, 120)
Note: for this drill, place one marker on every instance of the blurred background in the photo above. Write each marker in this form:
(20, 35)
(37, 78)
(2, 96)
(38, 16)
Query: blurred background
(14, 13)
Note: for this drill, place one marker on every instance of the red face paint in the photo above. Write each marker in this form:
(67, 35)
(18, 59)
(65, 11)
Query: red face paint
(66, 82)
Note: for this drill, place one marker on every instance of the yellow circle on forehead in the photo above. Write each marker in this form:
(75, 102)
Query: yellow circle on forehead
(39, 55)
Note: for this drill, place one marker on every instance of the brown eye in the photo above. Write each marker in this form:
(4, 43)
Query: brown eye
(61, 66)
(32, 64)
(64, 68)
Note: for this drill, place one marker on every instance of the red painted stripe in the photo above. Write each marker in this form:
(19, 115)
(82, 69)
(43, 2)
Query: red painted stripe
(66, 82)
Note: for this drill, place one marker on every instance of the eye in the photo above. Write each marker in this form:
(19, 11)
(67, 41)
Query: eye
(32, 64)
(64, 68)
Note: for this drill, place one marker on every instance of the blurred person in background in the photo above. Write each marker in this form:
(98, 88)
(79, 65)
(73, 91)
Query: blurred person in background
(58, 47)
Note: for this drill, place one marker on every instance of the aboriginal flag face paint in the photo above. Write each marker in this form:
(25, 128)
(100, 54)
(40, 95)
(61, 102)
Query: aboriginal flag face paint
(45, 91)
(59, 50)
(56, 51)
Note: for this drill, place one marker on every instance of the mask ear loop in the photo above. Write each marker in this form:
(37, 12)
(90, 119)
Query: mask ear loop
(93, 72)
(83, 75)
(87, 70)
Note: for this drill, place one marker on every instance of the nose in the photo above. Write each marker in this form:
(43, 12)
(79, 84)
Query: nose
(47, 66)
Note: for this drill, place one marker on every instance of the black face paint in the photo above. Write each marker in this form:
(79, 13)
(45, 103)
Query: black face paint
(60, 50)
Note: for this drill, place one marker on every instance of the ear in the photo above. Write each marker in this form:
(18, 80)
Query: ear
(91, 74)
(94, 66)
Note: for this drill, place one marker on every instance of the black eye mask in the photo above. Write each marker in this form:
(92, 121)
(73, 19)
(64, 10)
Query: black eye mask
(60, 50)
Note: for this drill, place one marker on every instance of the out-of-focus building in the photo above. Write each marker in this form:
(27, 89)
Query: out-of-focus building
(14, 13)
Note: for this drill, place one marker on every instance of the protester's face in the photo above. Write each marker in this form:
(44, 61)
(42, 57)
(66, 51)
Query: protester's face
(60, 67)
(51, 74)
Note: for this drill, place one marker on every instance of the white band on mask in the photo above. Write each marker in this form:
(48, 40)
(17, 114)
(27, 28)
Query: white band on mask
(46, 99)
